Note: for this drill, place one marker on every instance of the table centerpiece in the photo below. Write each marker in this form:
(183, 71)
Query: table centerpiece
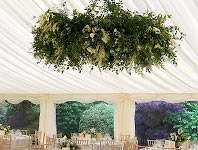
(4, 129)
(178, 137)
(68, 144)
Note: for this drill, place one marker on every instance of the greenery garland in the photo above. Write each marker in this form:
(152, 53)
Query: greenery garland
(106, 36)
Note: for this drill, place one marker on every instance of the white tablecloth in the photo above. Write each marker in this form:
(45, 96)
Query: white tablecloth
(20, 141)
(96, 146)
(117, 146)
(157, 148)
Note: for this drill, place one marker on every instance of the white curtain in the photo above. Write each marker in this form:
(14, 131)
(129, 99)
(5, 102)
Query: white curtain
(47, 121)
(124, 119)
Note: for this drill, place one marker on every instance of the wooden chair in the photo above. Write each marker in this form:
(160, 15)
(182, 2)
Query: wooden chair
(88, 137)
(49, 143)
(99, 137)
(151, 143)
(133, 146)
(57, 139)
(60, 135)
(38, 134)
(81, 136)
(74, 134)
(106, 144)
(24, 132)
(134, 141)
(2, 142)
(34, 142)
(125, 138)
(82, 143)
(7, 142)
(171, 148)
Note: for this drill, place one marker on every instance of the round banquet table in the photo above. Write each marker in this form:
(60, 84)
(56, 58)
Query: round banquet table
(117, 146)
(20, 141)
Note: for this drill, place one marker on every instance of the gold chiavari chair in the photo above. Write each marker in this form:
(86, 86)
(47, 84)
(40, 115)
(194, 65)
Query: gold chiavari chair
(125, 141)
(106, 144)
(133, 146)
(60, 135)
(171, 148)
(99, 137)
(24, 132)
(38, 134)
(151, 143)
(2, 142)
(34, 142)
(81, 136)
(57, 139)
(7, 142)
(49, 143)
(125, 138)
(74, 134)
(82, 143)
(134, 141)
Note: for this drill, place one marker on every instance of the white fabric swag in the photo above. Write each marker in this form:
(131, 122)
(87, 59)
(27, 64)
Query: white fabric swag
(47, 120)
(124, 119)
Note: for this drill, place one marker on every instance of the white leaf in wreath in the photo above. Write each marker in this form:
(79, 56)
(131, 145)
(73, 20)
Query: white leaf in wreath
(156, 30)
(105, 37)
(91, 50)
(92, 35)
(157, 46)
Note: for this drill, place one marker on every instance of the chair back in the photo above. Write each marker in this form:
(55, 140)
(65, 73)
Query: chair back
(151, 143)
(88, 137)
(134, 141)
(38, 133)
(82, 142)
(24, 132)
(49, 142)
(57, 138)
(74, 134)
(106, 144)
(2, 142)
(7, 142)
(172, 148)
(81, 136)
(133, 146)
(99, 137)
(125, 137)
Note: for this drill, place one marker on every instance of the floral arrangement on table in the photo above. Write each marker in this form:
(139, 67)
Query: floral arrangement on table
(91, 131)
(105, 36)
(69, 143)
(178, 136)
(5, 128)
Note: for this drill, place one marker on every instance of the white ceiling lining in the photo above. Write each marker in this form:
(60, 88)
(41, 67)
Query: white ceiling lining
(21, 75)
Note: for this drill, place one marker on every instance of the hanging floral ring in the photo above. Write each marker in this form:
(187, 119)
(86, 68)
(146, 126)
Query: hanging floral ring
(105, 36)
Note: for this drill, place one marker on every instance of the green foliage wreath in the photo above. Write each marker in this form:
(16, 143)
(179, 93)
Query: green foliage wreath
(106, 36)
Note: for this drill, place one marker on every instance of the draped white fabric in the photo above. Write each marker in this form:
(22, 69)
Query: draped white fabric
(47, 120)
(21, 78)
(124, 119)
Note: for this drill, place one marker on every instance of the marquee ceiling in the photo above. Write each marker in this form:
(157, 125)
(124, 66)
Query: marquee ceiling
(22, 78)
